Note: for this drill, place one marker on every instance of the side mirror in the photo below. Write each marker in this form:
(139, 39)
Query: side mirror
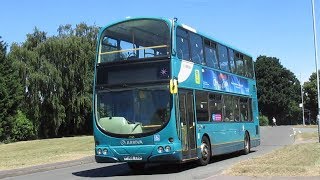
(173, 86)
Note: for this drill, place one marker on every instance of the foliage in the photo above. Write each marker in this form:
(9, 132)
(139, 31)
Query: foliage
(57, 74)
(10, 93)
(278, 91)
(23, 128)
(310, 97)
(263, 120)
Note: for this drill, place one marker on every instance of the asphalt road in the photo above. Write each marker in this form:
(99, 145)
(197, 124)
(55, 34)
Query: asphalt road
(272, 138)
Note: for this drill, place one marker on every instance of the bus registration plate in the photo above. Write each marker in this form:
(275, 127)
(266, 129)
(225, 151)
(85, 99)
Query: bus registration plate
(132, 158)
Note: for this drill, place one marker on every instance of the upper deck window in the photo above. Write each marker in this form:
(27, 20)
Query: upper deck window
(223, 58)
(211, 54)
(135, 39)
(240, 64)
(183, 44)
(196, 48)
(249, 66)
(231, 60)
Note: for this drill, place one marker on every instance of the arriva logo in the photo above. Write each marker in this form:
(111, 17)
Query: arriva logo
(130, 142)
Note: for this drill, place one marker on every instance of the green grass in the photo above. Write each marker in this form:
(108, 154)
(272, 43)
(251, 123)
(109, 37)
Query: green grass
(306, 136)
(293, 160)
(30, 153)
(306, 126)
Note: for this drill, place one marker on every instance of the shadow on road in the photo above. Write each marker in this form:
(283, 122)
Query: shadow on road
(124, 170)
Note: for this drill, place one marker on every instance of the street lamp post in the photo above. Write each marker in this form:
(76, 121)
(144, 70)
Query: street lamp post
(316, 59)
(302, 106)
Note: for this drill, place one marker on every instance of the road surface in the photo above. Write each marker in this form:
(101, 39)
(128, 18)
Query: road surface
(272, 138)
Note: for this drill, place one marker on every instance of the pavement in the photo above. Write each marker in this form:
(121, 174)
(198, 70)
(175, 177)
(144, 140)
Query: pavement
(45, 167)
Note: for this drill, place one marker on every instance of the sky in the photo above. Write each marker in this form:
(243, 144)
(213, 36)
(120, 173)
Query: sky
(275, 28)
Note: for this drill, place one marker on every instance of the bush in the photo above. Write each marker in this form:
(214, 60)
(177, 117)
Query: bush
(264, 121)
(23, 128)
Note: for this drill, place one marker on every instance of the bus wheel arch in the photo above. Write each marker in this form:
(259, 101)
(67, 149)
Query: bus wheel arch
(246, 143)
(205, 150)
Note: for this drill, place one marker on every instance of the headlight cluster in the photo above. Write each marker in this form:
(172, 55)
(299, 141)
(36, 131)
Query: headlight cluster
(165, 149)
(102, 151)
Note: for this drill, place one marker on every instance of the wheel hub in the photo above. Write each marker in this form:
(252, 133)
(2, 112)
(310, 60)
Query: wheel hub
(204, 150)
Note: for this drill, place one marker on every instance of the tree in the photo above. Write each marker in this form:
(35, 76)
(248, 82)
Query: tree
(278, 91)
(57, 73)
(310, 96)
(10, 94)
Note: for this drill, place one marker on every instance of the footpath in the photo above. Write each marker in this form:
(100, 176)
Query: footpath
(45, 167)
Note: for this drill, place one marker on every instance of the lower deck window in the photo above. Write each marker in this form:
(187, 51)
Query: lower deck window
(222, 108)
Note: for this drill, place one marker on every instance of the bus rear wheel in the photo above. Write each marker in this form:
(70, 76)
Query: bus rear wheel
(136, 166)
(205, 152)
(246, 149)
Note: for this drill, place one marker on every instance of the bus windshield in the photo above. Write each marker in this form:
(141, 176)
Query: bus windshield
(134, 39)
(133, 111)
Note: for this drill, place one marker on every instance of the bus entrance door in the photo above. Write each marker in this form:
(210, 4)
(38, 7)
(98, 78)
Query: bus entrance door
(187, 124)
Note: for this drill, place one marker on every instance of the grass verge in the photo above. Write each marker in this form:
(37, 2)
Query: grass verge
(306, 136)
(306, 126)
(293, 160)
(30, 153)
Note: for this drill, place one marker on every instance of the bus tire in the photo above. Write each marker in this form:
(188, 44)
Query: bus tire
(136, 166)
(205, 151)
(246, 149)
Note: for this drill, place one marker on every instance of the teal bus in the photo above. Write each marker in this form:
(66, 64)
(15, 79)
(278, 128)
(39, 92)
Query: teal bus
(164, 92)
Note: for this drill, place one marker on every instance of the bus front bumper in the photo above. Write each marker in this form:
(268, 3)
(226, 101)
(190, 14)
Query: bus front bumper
(147, 155)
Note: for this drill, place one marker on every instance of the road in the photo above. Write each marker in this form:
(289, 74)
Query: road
(272, 138)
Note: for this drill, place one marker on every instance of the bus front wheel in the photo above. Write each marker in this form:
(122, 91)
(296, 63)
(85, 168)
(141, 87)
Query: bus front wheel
(205, 152)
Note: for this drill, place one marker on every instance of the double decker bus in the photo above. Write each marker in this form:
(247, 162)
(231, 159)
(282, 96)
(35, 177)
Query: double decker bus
(163, 92)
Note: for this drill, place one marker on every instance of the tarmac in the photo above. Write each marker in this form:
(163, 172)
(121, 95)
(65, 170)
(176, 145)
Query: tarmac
(45, 167)
(90, 159)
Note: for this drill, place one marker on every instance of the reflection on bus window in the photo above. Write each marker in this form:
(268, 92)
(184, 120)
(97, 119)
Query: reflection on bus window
(215, 107)
(182, 44)
(228, 108)
(133, 111)
(239, 64)
(211, 54)
(249, 66)
(202, 106)
(223, 58)
(231, 60)
(196, 48)
(236, 107)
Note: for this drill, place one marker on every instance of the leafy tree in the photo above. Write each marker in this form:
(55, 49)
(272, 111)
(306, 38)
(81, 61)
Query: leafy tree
(278, 91)
(310, 96)
(263, 121)
(57, 74)
(23, 128)
(10, 94)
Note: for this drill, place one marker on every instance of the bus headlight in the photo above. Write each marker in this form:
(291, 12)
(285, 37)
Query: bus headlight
(99, 151)
(105, 151)
(160, 149)
(167, 148)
